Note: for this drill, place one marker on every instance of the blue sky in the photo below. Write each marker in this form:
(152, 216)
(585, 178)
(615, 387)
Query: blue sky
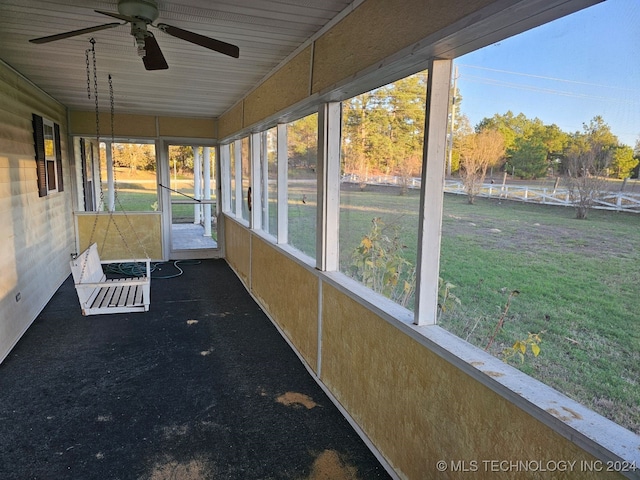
(565, 72)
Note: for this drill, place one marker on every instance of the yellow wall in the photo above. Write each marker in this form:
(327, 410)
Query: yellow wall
(142, 126)
(287, 86)
(231, 121)
(188, 127)
(237, 246)
(417, 407)
(369, 34)
(290, 294)
(132, 235)
(36, 233)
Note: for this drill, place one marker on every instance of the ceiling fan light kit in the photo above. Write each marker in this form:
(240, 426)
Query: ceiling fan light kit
(141, 14)
(143, 9)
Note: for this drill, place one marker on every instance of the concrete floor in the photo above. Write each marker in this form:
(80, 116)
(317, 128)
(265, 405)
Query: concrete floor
(189, 236)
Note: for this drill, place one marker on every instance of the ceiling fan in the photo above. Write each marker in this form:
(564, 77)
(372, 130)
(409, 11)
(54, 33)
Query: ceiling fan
(141, 14)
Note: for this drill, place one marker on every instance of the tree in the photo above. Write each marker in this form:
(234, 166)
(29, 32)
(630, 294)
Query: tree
(509, 125)
(529, 158)
(623, 162)
(462, 128)
(383, 129)
(302, 142)
(636, 154)
(134, 156)
(586, 162)
(478, 152)
(520, 131)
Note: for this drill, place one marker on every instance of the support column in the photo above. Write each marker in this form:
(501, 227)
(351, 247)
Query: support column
(329, 123)
(224, 179)
(283, 203)
(206, 177)
(432, 192)
(264, 173)
(237, 154)
(255, 215)
(111, 195)
(197, 172)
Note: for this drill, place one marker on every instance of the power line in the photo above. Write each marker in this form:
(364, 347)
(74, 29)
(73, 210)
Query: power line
(543, 77)
(533, 88)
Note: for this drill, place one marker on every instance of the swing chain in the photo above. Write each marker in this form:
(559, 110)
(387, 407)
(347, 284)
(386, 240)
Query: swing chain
(115, 180)
(112, 105)
(102, 201)
(95, 95)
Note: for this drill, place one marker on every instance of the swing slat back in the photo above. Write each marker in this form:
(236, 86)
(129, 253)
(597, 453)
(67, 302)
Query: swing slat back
(98, 294)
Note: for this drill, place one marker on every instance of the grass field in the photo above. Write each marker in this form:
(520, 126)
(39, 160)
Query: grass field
(578, 282)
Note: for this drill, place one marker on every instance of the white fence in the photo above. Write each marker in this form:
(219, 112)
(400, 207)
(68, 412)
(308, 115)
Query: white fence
(609, 200)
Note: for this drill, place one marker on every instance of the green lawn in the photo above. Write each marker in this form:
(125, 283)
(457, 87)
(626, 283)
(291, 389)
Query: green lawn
(578, 282)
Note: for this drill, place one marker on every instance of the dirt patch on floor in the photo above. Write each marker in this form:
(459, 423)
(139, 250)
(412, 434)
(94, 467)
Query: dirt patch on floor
(169, 469)
(329, 465)
(294, 399)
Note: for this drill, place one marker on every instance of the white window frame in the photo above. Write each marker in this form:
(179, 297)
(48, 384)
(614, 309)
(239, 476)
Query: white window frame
(50, 157)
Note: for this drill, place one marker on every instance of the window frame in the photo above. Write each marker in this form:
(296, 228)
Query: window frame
(48, 157)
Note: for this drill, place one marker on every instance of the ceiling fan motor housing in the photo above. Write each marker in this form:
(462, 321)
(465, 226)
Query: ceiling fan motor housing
(146, 10)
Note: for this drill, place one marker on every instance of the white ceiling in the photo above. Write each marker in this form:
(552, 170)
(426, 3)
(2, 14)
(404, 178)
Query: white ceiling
(199, 82)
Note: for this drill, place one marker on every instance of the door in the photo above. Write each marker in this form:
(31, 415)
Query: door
(189, 201)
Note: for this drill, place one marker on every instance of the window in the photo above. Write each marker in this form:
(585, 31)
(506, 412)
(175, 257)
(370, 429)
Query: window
(382, 142)
(46, 135)
(302, 182)
(128, 175)
(270, 180)
(524, 266)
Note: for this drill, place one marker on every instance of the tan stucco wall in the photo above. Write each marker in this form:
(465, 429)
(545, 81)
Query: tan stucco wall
(131, 235)
(141, 126)
(36, 237)
(289, 293)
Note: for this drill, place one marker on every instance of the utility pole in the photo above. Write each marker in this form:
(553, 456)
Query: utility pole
(453, 120)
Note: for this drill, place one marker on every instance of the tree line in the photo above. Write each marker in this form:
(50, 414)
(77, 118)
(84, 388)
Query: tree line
(383, 132)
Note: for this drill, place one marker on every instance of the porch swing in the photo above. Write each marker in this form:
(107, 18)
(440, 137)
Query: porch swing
(97, 293)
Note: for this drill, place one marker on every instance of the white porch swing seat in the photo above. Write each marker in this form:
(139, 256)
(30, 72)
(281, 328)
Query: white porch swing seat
(97, 293)
(100, 295)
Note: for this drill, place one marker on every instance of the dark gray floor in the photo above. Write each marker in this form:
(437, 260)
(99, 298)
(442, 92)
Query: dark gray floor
(200, 387)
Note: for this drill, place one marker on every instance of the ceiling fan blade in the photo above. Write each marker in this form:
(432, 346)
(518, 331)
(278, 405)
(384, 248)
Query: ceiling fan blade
(73, 33)
(206, 42)
(153, 58)
(117, 15)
